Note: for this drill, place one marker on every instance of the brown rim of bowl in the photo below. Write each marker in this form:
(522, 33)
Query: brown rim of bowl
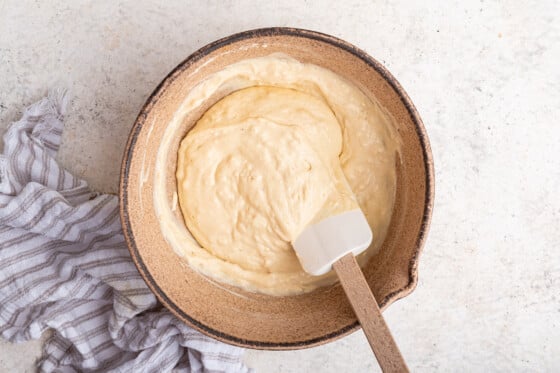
(153, 98)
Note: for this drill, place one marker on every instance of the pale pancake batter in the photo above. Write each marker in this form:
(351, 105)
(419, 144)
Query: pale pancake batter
(293, 143)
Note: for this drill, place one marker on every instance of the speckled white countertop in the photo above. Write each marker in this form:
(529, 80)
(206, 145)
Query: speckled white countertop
(485, 77)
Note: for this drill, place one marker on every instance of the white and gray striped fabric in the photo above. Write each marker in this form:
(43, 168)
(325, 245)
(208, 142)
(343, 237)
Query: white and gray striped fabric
(64, 265)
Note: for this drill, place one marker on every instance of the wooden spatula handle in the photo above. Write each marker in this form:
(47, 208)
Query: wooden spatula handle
(366, 309)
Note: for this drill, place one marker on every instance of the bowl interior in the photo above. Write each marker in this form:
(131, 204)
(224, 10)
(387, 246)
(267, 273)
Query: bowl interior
(255, 320)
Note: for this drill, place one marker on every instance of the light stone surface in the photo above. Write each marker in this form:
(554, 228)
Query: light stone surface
(484, 76)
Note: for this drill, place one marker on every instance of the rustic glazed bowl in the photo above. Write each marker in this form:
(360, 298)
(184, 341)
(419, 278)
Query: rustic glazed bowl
(255, 320)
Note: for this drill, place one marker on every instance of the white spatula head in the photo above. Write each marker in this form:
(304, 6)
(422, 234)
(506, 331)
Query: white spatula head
(323, 243)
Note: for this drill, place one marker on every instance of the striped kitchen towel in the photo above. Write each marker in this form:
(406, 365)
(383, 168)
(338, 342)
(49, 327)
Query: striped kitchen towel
(64, 265)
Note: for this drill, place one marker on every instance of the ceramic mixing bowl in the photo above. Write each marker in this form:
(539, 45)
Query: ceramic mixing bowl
(256, 320)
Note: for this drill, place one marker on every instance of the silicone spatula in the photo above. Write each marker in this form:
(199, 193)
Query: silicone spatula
(333, 243)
